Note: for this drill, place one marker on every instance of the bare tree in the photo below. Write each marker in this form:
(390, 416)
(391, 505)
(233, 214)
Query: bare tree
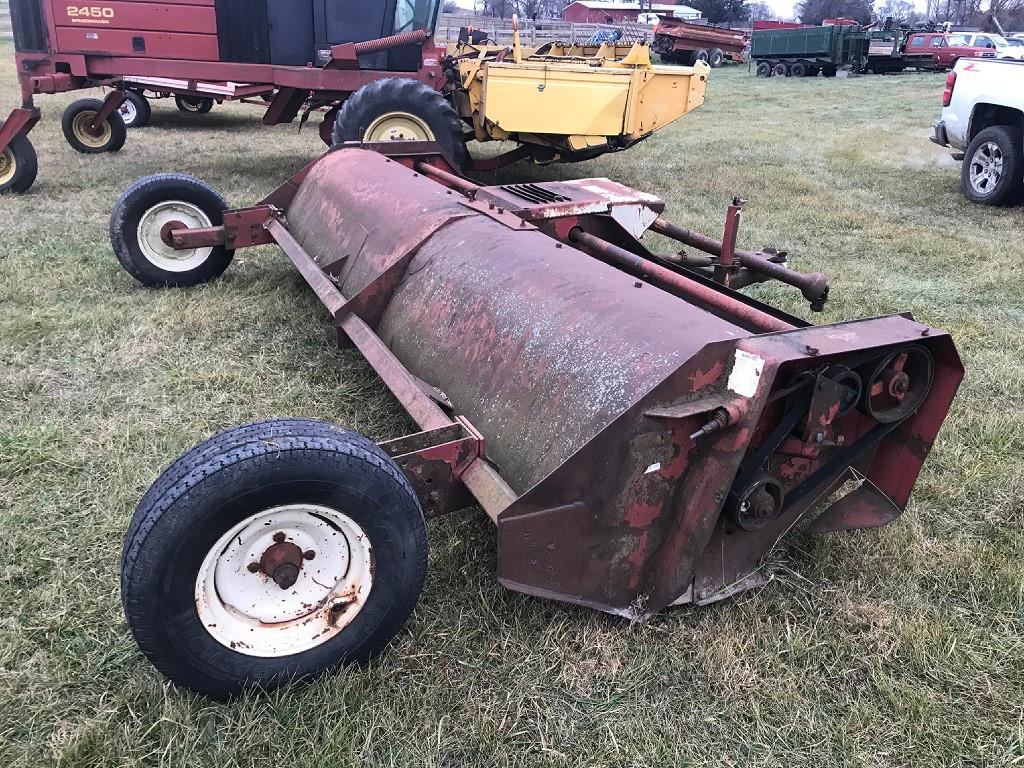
(759, 11)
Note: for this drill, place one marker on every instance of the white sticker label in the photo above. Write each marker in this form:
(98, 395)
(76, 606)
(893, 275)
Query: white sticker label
(746, 372)
(653, 468)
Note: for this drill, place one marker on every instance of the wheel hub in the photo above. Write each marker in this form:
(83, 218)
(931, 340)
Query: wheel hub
(986, 167)
(398, 126)
(128, 111)
(284, 580)
(154, 235)
(282, 561)
(81, 126)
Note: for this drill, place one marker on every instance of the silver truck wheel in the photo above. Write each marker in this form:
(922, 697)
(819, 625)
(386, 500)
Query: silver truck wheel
(993, 166)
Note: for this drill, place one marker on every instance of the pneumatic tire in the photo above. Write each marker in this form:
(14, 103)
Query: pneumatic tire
(75, 122)
(198, 105)
(135, 110)
(716, 56)
(152, 207)
(992, 171)
(764, 69)
(217, 527)
(398, 108)
(18, 165)
(701, 54)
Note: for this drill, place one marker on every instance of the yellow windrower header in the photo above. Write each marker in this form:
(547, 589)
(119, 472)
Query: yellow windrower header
(574, 99)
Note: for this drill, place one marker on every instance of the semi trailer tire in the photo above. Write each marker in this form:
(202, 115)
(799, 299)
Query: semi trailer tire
(400, 109)
(798, 69)
(271, 553)
(194, 104)
(764, 69)
(18, 165)
(135, 110)
(701, 54)
(781, 69)
(992, 171)
(144, 216)
(716, 57)
(75, 124)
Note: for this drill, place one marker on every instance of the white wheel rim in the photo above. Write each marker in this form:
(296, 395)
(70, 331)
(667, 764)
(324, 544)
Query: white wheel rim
(150, 235)
(986, 168)
(245, 609)
(128, 112)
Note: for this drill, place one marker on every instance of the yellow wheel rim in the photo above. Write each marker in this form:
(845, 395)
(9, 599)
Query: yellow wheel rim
(398, 126)
(8, 166)
(80, 127)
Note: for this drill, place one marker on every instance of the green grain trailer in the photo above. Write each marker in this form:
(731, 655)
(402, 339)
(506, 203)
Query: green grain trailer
(807, 51)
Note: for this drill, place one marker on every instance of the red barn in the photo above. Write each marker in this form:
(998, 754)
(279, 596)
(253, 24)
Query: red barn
(603, 12)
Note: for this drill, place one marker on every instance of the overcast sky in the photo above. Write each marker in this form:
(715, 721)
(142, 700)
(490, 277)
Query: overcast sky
(783, 8)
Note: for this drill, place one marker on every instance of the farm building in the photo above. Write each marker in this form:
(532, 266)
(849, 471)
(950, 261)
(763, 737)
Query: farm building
(602, 12)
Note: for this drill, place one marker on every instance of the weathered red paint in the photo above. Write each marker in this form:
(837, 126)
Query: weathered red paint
(593, 390)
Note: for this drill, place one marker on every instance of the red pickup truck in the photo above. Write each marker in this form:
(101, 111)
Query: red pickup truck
(932, 50)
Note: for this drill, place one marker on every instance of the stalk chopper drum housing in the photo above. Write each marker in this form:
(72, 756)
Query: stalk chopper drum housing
(640, 432)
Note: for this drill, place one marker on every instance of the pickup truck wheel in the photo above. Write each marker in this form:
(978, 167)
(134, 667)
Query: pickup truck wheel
(993, 168)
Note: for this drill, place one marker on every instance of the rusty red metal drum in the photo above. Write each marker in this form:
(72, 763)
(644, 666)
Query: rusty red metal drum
(658, 432)
(641, 433)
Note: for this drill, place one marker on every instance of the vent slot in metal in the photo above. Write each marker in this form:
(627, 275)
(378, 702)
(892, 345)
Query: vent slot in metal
(534, 193)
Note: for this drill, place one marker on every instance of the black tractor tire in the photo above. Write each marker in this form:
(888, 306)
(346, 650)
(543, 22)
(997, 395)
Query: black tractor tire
(136, 223)
(18, 165)
(701, 54)
(781, 69)
(798, 69)
(239, 475)
(764, 69)
(135, 111)
(716, 57)
(402, 95)
(199, 105)
(992, 171)
(75, 122)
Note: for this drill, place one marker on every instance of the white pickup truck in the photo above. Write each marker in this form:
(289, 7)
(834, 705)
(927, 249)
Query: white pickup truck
(983, 118)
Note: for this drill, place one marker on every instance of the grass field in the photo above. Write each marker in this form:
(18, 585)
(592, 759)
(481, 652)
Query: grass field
(902, 646)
